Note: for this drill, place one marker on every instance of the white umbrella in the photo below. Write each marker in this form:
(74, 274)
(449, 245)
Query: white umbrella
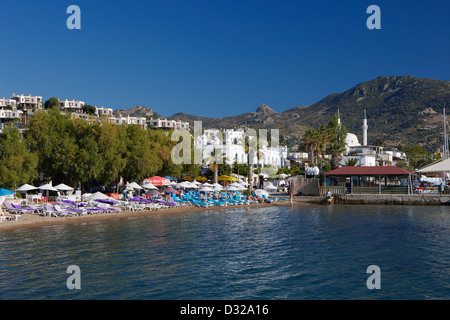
(244, 183)
(63, 187)
(270, 187)
(196, 182)
(149, 185)
(184, 184)
(25, 188)
(133, 185)
(206, 184)
(97, 195)
(48, 187)
(231, 188)
(216, 188)
(192, 185)
(260, 192)
(206, 189)
(235, 184)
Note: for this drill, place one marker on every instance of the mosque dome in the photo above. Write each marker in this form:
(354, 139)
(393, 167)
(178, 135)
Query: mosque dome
(352, 140)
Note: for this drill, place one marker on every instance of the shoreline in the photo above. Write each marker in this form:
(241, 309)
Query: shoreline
(28, 220)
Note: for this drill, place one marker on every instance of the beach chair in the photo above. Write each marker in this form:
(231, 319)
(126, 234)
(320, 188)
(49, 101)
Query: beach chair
(52, 212)
(13, 209)
(266, 199)
(8, 216)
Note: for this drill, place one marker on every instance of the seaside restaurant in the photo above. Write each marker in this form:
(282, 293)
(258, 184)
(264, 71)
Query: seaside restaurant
(368, 180)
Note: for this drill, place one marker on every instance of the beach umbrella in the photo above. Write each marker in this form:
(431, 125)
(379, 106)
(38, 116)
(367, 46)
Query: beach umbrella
(48, 187)
(171, 190)
(244, 183)
(63, 187)
(217, 185)
(200, 178)
(25, 188)
(98, 195)
(192, 185)
(184, 184)
(154, 193)
(206, 189)
(206, 184)
(196, 182)
(157, 181)
(270, 186)
(148, 185)
(226, 178)
(5, 192)
(133, 185)
(231, 188)
(261, 192)
(234, 184)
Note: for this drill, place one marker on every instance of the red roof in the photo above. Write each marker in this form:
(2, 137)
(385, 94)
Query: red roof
(368, 171)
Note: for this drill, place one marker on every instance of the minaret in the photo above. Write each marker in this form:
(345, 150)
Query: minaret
(365, 127)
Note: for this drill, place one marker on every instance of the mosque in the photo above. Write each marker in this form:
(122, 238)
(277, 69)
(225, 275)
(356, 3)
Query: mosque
(368, 155)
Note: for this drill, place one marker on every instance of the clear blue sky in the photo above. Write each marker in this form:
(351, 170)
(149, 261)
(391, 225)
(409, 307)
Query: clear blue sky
(215, 58)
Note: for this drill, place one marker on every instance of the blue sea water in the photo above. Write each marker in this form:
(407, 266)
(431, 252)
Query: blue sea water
(274, 253)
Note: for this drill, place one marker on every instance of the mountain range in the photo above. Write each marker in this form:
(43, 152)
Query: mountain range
(401, 110)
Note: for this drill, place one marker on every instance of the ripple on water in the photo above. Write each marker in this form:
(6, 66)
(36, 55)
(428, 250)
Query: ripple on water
(305, 252)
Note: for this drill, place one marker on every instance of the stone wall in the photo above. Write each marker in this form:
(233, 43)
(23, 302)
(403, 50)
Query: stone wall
(403, 199)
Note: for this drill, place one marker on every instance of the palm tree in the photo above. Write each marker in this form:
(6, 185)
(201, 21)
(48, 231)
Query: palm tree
(351, 162)
(311, 140)
(336, 149)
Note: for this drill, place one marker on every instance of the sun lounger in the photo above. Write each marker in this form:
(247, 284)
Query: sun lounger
(14, 209)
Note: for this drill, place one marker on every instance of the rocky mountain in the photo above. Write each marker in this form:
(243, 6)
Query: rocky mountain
(400, 110)
(136, 111)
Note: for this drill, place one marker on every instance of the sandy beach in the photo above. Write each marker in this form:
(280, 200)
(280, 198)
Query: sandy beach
(36, 220)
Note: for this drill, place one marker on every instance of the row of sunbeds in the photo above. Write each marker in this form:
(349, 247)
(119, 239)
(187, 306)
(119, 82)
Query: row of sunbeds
(67, 208)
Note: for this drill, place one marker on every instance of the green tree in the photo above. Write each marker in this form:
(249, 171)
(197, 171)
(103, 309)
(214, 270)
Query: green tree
(111, 143)
(418, 158)
(89, 109)
(17, 164)
(351, 162)
(50, 135)
(51, 103)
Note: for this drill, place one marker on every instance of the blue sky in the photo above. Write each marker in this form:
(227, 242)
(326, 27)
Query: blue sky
(216, 58)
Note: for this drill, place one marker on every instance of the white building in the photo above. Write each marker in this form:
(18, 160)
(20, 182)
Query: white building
(9, 115)
(8, 102)
(163, 123)
(101, 111)
(71, 106)
(230, 143)
(28, 101)
(142, 121)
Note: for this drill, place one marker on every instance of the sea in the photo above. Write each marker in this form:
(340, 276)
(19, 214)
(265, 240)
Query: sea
(300, 252)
